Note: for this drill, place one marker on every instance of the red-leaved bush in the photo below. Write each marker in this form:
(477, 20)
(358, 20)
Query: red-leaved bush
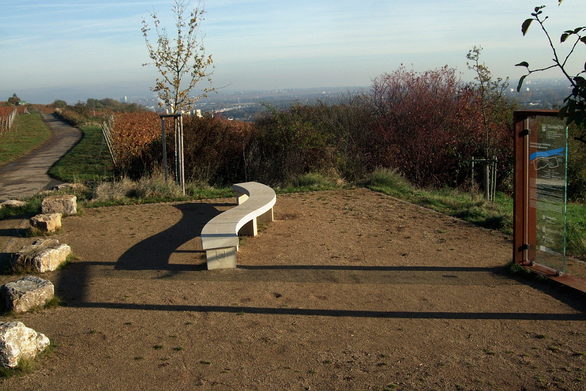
(429, 126)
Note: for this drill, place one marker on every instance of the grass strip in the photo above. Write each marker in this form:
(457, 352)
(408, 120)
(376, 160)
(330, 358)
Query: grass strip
(89, 160)
(28, 132)
(496, 215)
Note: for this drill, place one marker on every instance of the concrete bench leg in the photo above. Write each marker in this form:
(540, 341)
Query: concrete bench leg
(250, 228)
(221, 258)
(266, 217)
(241, 198)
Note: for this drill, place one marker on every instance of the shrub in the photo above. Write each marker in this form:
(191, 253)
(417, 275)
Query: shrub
(314, 180)
(319, 138)
(390, 180)
(429, 126)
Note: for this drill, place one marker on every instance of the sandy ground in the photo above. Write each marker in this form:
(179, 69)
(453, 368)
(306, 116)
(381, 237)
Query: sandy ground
(346, 290)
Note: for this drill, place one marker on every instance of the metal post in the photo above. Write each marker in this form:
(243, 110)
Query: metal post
(182, 155)
(487, 181)
(175, 139)
(526, 260)
(164, 136)
(472, 177)
(494, 172)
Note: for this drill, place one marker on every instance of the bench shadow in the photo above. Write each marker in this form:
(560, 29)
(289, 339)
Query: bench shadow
(155, 251)
(152, 253)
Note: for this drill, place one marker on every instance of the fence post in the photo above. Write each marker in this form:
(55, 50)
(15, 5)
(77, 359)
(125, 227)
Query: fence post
(164, 137)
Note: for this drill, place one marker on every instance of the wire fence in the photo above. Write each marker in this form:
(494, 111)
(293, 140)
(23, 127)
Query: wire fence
(7, 116)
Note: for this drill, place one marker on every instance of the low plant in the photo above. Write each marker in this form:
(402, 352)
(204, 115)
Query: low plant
(153, 188)
(26, 365)
(391, 182)
(312, 181)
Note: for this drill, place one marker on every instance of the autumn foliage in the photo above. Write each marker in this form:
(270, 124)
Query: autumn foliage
(131, 133)
(5, 111)
(428, 126)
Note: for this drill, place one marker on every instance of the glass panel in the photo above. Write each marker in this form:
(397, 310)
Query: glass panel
(548, 160)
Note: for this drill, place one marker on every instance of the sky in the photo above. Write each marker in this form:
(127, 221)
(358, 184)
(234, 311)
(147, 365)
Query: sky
(78, 49)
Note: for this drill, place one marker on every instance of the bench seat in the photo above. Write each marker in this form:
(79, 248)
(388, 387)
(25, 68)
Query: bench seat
(219, 237)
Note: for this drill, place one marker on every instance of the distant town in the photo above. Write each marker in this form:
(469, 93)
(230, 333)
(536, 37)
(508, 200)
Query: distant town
(245, 105)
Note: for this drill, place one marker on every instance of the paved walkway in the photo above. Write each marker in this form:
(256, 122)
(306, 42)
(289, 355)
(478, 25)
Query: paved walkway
(26, 176)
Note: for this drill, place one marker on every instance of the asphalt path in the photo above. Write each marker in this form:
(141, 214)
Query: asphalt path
(27, 175)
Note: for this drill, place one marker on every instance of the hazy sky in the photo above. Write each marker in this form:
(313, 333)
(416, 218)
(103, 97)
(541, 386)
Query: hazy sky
(74, 49)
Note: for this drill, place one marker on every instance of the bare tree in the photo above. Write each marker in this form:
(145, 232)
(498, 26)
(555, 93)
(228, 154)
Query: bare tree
(492, 105)
(182, 61)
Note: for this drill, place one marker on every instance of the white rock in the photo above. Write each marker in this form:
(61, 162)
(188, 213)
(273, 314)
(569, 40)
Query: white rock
(42, 256)
(18, 341)
(26, 293)
(64, 204)
(46, 222)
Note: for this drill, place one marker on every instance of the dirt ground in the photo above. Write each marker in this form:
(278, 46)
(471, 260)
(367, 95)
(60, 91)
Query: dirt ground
(346, 290)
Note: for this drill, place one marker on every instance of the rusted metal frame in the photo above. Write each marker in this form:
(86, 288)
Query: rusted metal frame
(525, 208)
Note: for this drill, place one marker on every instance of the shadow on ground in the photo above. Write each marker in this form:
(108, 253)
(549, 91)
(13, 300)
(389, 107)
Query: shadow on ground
(155, 252)
(149, 259)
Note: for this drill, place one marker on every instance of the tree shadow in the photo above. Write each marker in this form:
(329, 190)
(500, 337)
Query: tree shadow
(14, 232)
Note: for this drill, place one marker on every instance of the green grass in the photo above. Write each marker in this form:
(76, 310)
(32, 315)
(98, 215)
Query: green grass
(89, 160)
(577, 230)
(312, 181)
(26, 366)
(32, 207)
(494, 215)
(27, 133)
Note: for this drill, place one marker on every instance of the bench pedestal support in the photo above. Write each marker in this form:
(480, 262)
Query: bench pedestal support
(221, 258)
(220, 235)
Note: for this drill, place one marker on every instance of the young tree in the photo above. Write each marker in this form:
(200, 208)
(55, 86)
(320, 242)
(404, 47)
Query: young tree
(181, 61)
(491, 93)
(574, 107)
(494, 108)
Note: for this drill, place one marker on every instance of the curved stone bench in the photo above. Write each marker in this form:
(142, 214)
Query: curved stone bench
(219, 237)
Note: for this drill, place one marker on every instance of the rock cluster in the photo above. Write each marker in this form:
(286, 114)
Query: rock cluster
(26, 293)
(18, 341)
(64, 204)
(41, 256)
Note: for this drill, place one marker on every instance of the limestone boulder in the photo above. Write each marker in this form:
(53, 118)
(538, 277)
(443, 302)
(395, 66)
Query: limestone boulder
(26, 293)
(48, 223)
(64, 204)
(43, 255)
(18, 341)
(12, 204)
